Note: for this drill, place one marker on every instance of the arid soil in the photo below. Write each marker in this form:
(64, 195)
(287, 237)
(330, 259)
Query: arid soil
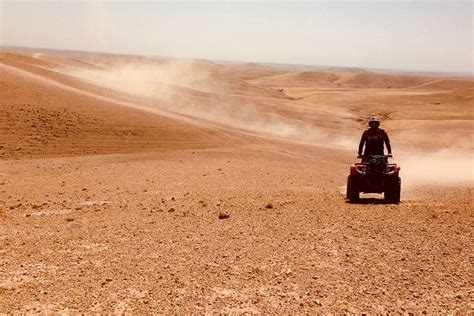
(146, 185)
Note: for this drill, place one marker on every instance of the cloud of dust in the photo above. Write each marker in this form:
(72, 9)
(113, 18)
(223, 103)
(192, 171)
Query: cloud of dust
(188, 88)
(446, 167)
(141, 79)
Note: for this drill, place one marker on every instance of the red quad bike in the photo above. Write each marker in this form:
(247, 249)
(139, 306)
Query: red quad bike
(374, 175)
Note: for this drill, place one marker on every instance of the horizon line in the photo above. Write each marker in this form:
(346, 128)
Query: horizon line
(408, 72)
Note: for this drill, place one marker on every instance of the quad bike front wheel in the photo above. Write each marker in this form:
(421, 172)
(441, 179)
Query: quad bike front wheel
(352, 190)
(392, 191)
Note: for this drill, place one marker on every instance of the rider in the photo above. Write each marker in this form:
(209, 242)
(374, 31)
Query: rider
(374, 138)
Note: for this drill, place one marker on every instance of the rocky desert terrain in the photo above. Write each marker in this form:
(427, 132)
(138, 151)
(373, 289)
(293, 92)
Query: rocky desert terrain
(132, 184)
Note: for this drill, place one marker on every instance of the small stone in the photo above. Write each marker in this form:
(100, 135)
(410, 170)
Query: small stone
(171, 210)
(224, 215)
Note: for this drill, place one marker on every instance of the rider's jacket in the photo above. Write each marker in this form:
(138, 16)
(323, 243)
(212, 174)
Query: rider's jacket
(374, 138)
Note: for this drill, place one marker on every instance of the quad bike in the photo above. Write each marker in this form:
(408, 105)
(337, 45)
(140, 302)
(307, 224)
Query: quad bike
(374, 175)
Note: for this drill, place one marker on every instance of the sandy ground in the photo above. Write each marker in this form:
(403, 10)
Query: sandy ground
(115, 171)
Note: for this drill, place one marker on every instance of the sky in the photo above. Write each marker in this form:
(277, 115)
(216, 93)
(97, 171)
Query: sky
(402, 35)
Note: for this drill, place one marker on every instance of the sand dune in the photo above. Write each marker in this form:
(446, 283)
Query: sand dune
(299, 79)
(371, 80)
(41, 119)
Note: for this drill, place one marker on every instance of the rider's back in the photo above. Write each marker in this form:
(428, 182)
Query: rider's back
(374, 139)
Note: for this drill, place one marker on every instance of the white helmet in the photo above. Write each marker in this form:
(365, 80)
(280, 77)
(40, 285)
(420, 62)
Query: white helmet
(374, 119)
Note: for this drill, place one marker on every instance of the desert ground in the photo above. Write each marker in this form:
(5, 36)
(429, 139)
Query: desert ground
(133, 184)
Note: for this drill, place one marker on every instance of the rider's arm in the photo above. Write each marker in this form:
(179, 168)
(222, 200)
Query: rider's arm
(387, 143)
(362, 141)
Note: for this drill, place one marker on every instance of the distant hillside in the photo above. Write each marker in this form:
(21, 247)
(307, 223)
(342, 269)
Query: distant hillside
(372, 80)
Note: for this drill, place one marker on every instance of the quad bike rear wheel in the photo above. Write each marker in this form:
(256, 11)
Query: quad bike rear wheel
(352, 191)
(392, 191)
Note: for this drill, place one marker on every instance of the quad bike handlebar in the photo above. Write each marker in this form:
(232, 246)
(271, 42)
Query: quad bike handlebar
(363, 156)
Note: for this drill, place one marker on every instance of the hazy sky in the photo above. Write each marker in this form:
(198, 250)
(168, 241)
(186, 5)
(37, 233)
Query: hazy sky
(406, 35)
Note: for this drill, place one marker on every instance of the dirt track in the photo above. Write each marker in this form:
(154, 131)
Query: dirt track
(109, 209)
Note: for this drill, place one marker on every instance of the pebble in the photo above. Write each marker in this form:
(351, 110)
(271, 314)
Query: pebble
(224, 215)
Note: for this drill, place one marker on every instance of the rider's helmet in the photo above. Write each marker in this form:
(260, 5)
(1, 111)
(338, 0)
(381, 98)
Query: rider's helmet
(374, 121)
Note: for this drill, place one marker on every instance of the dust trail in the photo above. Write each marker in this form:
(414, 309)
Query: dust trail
(187, 87)
(159, 80)
(271, 126)
(445, 167)
(99, 97)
